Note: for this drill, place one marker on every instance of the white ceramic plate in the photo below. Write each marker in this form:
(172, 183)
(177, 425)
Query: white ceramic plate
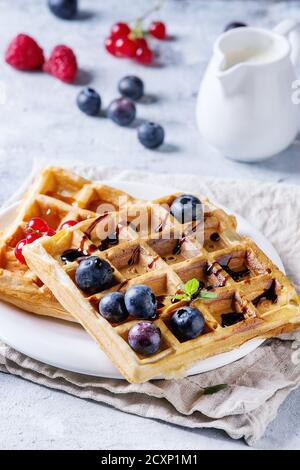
(68, 346)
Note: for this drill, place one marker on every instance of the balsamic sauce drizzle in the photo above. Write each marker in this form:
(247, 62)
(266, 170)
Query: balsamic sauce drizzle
(268, 294)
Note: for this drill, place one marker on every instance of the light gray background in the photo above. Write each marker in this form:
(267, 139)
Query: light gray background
(39, 119)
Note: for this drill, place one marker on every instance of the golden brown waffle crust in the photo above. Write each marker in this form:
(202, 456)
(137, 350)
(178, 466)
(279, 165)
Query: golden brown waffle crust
(18, 285)
(219, 265)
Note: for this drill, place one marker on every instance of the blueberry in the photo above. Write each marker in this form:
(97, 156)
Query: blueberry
(112, 307)
(151, 135)
(132, 87)
(187, 323)
(141, 302)
(89, 101)
(93, 275)
(186, 208)
(65, 9)
(235, 24)
(144, 337)
(122, 111)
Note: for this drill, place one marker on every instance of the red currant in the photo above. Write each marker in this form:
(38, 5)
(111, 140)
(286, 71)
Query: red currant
(18, 251)
(125, 47)
(36, 224)
(67, 224)
(141, 42)
(31, 237)
(144, 55)
(110, 45)
(50, 232)
(119, 30)
(158, 30)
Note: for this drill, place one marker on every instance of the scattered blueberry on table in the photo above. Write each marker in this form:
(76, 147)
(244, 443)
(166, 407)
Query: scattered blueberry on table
(89, 101)
(132, 87)
(235, 24)
(151, 135)
(122, 111)
(64, 9)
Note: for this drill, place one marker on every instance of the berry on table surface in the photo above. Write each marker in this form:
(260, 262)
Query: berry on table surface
(93, 275)
(67, 224)
(186, 208)
(158, 30)
(18, 251)
(122, 111)
(24, 53)
(89, 102)
(187, 323)
(119, 30)
(151, 135)
(132, 87)
(36, 224)
(144, 338)
(62, 64)
(141, 302)
(144, 55)
(112, 307)
(235, 24)
(64, 9)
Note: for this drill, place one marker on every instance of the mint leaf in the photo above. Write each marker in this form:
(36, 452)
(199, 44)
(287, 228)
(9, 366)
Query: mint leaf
(180, 297)
(205, 294)
(214, 389)
(191, 287)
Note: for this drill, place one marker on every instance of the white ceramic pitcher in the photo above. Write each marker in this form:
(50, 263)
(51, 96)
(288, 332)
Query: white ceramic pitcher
(245, 106)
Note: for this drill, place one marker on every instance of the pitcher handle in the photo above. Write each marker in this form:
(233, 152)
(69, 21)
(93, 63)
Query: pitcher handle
(291, 30)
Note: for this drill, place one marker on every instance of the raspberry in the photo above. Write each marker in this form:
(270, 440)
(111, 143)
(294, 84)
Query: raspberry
(24, 53)
(62, 64)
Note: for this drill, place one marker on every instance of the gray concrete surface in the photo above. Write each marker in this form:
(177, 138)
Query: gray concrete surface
(38, 119)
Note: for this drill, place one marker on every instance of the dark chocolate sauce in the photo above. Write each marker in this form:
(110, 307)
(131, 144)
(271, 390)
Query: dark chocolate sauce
(94, 302)
(110, 240)
(69, 256)
(133, 258)
(237, 275)
(161, 226)
(231, 318)
(95, 223)
(151, 264)
(123, 283)
(268, 294)
(177, 247)
(215, 237)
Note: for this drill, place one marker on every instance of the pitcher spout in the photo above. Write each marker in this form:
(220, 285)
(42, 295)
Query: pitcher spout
(231, 79)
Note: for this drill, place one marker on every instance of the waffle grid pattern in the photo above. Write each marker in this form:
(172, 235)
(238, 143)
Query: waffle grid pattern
(246, 281)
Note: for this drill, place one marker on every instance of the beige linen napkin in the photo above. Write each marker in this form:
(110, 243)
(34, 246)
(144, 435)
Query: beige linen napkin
(258, 383)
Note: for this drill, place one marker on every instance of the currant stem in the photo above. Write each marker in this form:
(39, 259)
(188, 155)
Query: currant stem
(157, 7)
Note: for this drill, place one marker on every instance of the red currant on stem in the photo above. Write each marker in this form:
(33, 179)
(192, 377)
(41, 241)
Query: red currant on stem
(158, 30)
(50, 232)
(125, 47)
(141, 42)
(18, 251)
(110, 45)
(32, 236)
(36, 224)
(119, 30)
(144, 55)
(67, 224)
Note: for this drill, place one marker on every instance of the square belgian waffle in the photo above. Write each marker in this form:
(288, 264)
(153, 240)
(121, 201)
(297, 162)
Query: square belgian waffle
(56, 195)
(254, 299)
